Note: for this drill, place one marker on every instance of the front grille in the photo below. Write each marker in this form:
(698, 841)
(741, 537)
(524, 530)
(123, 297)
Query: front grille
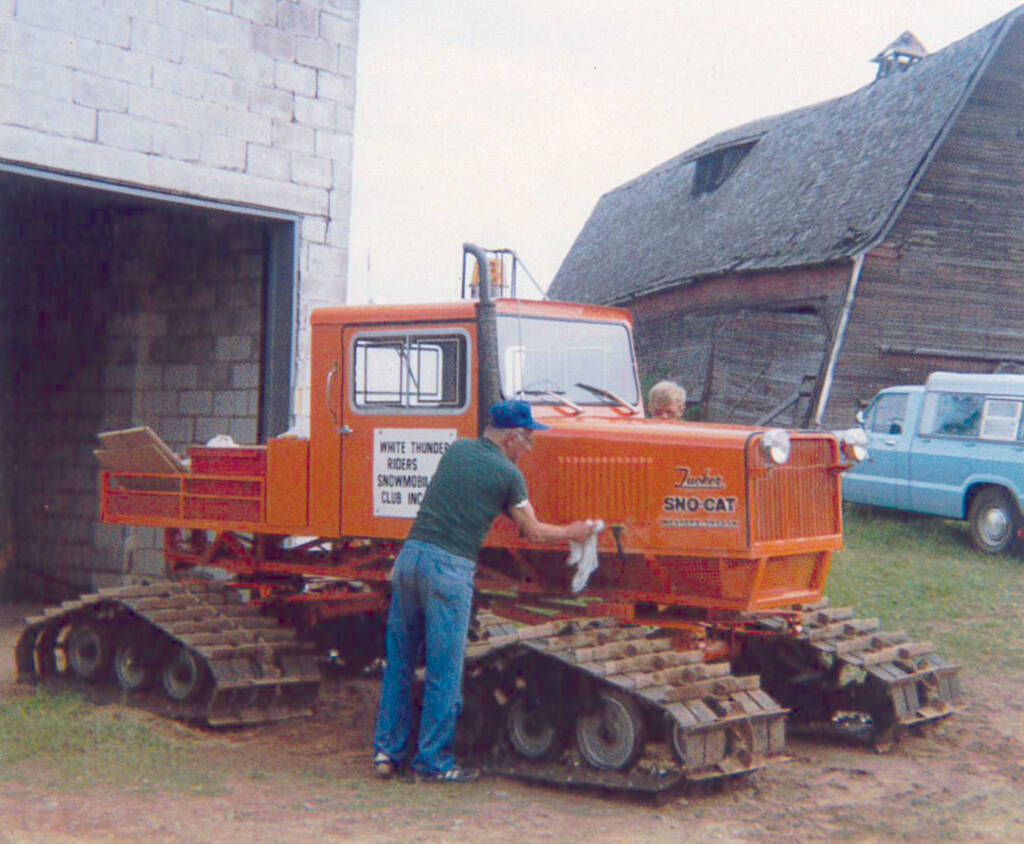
(618, 487)
(799, 499)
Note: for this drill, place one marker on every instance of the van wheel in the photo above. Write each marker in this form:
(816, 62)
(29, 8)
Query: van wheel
(994, 520)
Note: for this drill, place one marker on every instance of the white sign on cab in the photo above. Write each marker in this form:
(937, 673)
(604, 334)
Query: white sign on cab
(404, 461)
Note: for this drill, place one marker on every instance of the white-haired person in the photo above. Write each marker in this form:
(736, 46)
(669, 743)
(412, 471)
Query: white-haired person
(667, 400)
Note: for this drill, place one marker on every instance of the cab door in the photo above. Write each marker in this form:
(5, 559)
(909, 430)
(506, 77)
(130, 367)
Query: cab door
(408, 393)
(883, 479)
(325, 430)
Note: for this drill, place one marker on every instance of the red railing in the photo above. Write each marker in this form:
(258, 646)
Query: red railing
(169, 499)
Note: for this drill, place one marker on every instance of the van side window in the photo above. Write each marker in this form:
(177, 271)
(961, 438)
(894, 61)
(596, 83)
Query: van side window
(410, 371)
(888, 414)
(1002, 416)
(952, 414)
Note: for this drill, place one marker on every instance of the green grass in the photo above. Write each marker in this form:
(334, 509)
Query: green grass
(921, 574)
(67, 742)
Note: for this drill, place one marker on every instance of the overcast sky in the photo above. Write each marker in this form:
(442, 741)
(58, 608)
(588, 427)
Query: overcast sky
(501, 122)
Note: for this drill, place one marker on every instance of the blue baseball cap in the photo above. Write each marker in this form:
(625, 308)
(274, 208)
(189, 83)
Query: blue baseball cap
(513, 413)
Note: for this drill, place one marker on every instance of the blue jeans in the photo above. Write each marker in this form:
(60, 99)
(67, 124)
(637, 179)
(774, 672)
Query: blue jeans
(431, 599)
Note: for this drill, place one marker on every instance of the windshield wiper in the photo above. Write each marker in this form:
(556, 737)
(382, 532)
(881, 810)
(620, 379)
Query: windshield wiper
(610, 396)
(558, 398)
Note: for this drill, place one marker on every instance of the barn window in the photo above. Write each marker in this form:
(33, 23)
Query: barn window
(715, 167)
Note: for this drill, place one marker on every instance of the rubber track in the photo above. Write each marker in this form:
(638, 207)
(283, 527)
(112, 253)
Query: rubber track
(882, 682)
(258, 671)
(921, 685)
(728, 725)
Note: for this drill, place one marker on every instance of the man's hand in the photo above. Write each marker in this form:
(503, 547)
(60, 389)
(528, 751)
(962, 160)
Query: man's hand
(580, 531)
(583, 555)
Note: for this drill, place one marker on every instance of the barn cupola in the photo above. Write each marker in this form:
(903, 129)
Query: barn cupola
(901, 54)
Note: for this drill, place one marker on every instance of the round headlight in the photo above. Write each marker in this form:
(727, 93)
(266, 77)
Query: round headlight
(776, 445)
(854, 443)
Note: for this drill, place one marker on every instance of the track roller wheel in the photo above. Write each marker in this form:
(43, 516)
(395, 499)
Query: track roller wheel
(684, 755)
(133, 666)
(88, 650)
(184, 675)
(532, 729)
(611, 736)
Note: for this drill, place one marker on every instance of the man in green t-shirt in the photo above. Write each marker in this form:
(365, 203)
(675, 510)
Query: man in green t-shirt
(432, 587)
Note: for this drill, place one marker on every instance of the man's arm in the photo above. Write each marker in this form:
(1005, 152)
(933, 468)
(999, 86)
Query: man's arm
(537, 531)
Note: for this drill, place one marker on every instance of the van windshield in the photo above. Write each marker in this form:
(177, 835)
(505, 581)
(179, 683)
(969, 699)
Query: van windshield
(540, 356)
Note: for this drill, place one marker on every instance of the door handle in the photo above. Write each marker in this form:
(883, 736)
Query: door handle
(890, 442)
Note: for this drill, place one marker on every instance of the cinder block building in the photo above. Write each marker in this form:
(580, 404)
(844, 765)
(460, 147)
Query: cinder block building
(175, 184)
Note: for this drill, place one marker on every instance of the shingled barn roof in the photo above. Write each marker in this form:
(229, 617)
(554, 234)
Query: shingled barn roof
(819, 184)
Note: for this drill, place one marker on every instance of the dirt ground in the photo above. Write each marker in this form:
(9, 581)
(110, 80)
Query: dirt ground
(310, 780)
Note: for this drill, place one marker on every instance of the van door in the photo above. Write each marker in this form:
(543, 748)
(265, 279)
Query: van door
(882, 479)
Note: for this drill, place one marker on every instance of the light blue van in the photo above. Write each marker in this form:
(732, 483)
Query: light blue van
(953, 447)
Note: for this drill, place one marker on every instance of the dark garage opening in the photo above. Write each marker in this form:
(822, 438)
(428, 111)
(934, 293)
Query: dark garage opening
(121, 308)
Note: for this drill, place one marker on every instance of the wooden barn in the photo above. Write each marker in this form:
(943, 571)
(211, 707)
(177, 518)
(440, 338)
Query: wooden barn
(790, 267)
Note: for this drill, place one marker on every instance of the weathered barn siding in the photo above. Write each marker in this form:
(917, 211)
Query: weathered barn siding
(919, 172)
(741, 344)
(944, 291)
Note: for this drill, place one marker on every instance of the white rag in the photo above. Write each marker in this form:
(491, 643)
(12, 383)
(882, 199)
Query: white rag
(583, 555)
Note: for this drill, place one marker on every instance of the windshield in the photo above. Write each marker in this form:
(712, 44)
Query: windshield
(541, 356)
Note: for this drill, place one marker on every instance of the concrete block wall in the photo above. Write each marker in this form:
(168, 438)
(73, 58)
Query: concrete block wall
(56, 404)
(190, 353)
(240, 101)
(121, 317)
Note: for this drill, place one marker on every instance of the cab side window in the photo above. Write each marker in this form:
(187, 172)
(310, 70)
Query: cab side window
(410, 372)
(952, 414)
(888, 414)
